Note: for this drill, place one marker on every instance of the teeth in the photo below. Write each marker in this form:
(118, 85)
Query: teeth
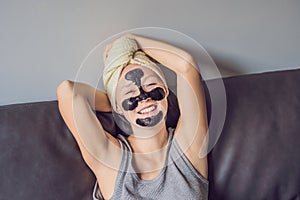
(146, 110)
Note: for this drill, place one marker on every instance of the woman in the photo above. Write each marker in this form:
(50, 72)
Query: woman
(153, 162)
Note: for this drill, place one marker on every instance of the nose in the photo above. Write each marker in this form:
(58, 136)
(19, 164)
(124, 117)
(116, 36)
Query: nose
(143, 95)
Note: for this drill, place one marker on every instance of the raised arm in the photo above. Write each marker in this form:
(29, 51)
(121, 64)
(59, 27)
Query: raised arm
(192, 126)
(99, 149)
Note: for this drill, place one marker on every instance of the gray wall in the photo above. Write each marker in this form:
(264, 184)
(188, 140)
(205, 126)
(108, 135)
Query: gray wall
(44, 42)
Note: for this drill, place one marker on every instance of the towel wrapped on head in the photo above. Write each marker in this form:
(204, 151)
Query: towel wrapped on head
(123, 52)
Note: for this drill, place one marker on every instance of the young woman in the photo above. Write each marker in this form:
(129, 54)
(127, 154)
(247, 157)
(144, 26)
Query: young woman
(152, 162)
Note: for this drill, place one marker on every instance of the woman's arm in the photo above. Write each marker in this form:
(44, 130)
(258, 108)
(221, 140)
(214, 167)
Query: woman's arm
(192, 126)
(102, 103)
(172, 57)
(99, 149)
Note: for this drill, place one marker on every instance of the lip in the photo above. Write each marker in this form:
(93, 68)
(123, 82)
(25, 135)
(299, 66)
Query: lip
(144, 107)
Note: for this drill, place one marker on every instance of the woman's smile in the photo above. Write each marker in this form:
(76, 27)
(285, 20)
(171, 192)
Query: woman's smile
(148, 110)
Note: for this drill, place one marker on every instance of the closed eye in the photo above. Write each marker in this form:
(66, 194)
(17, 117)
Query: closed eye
(150, 84)
(129, 92)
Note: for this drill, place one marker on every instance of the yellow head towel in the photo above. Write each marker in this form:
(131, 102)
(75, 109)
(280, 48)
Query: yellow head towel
(123, 52)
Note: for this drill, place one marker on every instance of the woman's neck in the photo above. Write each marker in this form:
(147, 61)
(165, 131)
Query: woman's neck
(148, 144)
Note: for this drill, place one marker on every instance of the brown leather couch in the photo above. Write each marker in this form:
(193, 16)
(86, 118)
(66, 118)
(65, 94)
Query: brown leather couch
(256, 157)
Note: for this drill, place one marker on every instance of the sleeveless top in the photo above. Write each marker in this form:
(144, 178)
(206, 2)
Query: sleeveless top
(178, 179)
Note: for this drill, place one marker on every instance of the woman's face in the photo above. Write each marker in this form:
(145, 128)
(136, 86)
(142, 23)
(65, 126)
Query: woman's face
(141, 96)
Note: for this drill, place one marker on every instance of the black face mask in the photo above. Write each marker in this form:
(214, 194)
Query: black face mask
(156, 94)
(135, 76)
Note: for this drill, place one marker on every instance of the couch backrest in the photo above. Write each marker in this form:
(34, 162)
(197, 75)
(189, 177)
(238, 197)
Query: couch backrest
(256, 156)
(39, 159)
(258, 153)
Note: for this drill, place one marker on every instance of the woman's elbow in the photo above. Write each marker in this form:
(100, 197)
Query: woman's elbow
(64, 88)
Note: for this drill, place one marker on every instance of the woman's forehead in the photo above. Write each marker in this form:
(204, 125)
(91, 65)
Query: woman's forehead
(146, 73)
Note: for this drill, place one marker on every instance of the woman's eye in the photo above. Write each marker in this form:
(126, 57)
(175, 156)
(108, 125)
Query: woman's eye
(128, 92)
(150, 84)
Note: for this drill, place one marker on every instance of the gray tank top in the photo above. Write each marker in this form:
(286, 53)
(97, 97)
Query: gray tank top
(177, 180)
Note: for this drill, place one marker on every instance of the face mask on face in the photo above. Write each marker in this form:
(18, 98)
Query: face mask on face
(156, 94)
